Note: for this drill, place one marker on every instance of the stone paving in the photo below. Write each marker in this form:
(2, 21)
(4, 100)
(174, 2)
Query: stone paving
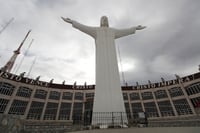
(146, 130)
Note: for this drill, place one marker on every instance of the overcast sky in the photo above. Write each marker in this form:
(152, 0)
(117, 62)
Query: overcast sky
(169, 45)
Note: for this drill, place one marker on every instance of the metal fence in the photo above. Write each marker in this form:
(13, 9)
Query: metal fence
(109, 119)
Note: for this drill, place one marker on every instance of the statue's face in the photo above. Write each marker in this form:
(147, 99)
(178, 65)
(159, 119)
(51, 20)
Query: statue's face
(104, 21)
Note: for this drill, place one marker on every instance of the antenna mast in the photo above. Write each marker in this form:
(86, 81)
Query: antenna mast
(10, 63)
(31, 67)
(6, 25)
(24, 56)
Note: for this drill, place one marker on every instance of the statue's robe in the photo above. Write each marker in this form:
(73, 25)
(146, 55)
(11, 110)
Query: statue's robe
(108, 94)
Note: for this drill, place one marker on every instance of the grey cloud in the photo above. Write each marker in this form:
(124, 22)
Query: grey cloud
(170, 42)
(176, 40)
(54, 3)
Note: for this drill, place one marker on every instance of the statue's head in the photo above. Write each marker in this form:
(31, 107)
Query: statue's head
(104, 21)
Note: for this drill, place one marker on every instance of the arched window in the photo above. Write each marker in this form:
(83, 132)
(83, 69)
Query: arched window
(160, 94)
(150, 109)
(24, 92)
(3, 104)
(6, 88)
(196, 102)
(39, 93)
(182, 107)
(89, 95)
(134, 96)
(193, 88)
(77, 112)
(125, 96)
(18, 107)
(176, 91)
(51, 110)
(147, 95)
(165, 108)
(67, 95)
(35, 110)
(65, 110)
(79, 96)
(54, 95)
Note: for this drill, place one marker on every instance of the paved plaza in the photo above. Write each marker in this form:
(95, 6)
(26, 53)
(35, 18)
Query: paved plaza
(146, 130)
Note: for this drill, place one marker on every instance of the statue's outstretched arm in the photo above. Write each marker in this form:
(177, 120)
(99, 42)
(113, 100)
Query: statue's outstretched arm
(139, 27)
(68, 20)
(125, 32)
(86, 29)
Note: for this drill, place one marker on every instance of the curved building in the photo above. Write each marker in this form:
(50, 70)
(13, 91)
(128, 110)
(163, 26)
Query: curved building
(37, 101)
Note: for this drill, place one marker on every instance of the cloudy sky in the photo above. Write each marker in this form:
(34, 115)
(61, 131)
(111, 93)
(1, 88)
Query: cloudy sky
(169, 45)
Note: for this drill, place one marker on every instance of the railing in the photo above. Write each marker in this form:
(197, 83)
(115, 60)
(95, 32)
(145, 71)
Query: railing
(108, 120)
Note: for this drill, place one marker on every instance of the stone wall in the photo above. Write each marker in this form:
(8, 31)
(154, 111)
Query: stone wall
(16, 124)
(176, 122)
(10, 123)
(47, 126)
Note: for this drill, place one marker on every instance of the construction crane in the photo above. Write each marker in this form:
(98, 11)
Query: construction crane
(6, 25)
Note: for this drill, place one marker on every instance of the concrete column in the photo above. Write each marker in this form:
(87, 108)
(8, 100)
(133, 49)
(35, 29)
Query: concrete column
(187, 98)
(171, 102)
(29, 102)
(59, 104)
(155, 100)
(72, 107)
(45, 104)
(141, 100)
(83, 109)
(130, 106)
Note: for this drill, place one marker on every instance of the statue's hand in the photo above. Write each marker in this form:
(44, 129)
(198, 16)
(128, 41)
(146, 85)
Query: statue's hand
(68, 20)
(139, 27)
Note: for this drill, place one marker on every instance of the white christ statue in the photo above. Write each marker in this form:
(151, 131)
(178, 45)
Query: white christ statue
(108, 104)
